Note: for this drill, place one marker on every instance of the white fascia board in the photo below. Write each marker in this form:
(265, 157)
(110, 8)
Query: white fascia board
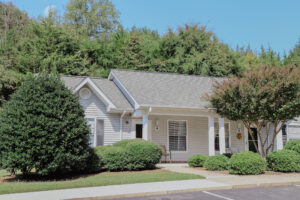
(123, 89)
(99, 93)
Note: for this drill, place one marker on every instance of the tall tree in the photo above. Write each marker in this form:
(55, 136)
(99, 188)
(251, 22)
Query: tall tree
(261, 98)
(195, 50)
(294, 55)
(92, 17)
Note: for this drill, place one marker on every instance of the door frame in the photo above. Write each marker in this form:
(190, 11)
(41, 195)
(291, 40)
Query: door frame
(246, 135)
(134, 122)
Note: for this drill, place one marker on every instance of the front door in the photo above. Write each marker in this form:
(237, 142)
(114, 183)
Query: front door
(139, 130)
(251, 141)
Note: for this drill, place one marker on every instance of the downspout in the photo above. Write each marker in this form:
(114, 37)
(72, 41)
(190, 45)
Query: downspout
(121, 125)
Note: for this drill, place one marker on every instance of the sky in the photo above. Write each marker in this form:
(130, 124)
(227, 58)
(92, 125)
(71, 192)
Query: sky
(272, 23)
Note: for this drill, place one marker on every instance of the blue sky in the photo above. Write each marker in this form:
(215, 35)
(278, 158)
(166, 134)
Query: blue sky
(274, 23)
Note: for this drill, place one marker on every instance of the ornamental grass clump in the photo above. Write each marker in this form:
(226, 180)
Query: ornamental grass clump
(42, 128)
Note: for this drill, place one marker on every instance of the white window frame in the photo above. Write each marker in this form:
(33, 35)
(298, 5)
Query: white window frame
(95, 131)
(229, 135)
(187, 143)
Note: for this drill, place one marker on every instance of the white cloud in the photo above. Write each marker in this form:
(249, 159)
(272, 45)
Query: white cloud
(48, 9)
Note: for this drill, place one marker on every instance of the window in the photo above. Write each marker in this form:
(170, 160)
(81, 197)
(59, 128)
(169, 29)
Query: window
(227, 136)
(177, 135)
(91, 123)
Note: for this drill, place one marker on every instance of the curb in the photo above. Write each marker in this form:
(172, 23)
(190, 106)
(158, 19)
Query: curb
(191, 190)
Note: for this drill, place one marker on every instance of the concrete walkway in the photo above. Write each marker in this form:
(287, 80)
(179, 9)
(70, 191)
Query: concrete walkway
(238, 181)
(119, 190)
(213, 181)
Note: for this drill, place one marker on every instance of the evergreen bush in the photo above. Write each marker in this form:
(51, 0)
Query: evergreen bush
(293, 145)
(42, 128)
(197, 160)
(218, 162)
(246, 163)
(284, 161)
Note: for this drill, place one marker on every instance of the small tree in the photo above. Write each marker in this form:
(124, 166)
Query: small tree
(42, 128)
(261, 98)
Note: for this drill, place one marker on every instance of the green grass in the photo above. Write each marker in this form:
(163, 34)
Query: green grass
(106, 178)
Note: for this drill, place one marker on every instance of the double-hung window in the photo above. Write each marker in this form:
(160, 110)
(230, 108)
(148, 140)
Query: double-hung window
(227, 136)
(177, 135)
(91, 123)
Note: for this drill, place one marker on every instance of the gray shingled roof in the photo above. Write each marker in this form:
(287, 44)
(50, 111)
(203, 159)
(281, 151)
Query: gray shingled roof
(166, 89)
(108, 87)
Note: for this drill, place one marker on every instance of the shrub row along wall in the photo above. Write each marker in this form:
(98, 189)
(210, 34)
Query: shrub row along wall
(130, 155)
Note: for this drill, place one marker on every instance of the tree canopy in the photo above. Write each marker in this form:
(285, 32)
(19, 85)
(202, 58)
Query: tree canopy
(264, 96)
(88, 39)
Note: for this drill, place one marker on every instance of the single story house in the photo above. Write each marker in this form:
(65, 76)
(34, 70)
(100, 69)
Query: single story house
(169, 109)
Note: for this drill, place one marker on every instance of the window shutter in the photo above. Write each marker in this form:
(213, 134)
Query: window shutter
(177, 135)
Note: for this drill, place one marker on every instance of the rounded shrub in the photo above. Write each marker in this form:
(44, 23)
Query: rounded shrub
(218, 162)
(293, 145)
(124, 143)
(113, 158)
(197, 160)
(42, 127)
(284, 161)
(142, 155)
(246, 163)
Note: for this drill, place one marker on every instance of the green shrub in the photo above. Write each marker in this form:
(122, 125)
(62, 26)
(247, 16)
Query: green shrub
(133, 154)
(124, 143)
(246, 163)
(197, 160)
(284, 161)
(113, 158)
(42, 127)
(293, 145)
(142, 155)
(218, 162)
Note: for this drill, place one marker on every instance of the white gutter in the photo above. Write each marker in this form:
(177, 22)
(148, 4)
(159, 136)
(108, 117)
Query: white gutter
(121, 125)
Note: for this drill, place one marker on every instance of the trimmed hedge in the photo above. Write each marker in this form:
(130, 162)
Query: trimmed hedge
(284, 161)
(130, 155)
(293, 145)
(218, 162)
(197, 160)
(246, 163)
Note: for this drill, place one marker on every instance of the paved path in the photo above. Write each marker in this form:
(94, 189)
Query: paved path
(237, 181)
(115, 190)
(214, 181)
(272, 193)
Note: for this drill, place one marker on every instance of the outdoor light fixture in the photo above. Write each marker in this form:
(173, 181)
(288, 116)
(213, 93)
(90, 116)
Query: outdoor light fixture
(156, 125)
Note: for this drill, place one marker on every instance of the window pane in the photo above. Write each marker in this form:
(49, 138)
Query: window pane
(177, 135)
(91, 124)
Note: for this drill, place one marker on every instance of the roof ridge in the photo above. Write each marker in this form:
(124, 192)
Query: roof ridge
(170, 73)
(92, 77)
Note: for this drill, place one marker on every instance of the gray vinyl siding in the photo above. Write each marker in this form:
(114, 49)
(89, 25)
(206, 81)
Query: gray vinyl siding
(94, 108)
(197, 135)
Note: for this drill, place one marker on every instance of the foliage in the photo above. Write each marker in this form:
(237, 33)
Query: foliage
(294, 56)
(91, 17)
(113, 158)
(293, 145)
(130, 155)
(246, 163)
(217, 162)
(142, 155)
(42, 127)
(284, 161)
(197, 160)
(269, 95)
(228, 155)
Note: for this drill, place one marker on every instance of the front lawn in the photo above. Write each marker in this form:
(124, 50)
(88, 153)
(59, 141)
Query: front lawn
(101, 179)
